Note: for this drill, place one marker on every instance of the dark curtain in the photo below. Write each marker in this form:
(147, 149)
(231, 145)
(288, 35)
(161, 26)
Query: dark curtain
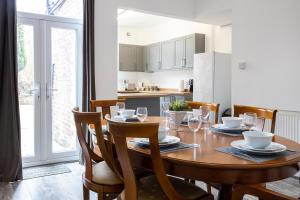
(10, 137)
(88, 85)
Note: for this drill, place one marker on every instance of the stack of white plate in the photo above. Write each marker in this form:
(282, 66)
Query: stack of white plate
(225, 128)
(168, 140)
(273, 148)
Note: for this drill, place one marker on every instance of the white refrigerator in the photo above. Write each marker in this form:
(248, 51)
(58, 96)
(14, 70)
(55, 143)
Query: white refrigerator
(212, 79)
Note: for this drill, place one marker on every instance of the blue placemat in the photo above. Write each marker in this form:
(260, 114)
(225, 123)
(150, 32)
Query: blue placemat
(252, 157)
(170, 148)
(231, 132)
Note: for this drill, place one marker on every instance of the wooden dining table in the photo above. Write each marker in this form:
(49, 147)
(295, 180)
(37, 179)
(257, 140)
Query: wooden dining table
(205, 163)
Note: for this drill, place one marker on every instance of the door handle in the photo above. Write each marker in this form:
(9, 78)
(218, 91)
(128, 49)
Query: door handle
(35, 91)
(50, 90)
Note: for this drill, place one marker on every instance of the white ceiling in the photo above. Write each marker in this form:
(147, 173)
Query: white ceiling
(136, 19)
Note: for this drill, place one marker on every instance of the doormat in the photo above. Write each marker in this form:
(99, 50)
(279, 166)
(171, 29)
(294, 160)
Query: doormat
(45, 170)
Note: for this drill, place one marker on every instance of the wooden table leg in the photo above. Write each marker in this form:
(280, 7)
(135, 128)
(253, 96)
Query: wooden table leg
(225, 192)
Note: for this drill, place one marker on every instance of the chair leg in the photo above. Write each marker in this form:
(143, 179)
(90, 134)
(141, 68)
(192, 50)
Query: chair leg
(208, 188)
(86, 193)
(101, 196)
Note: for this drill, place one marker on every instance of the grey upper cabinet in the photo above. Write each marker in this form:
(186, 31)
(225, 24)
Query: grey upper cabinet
(177, 53)
(194, 43)
(131, 57)
(140, 57)
(180, 52)
(168, 54)
(153, 57)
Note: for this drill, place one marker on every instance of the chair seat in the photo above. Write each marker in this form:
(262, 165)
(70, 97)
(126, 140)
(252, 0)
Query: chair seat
(102, 174)
(149, 189)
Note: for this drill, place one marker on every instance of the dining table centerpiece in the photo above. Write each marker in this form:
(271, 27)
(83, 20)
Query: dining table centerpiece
(177, 112)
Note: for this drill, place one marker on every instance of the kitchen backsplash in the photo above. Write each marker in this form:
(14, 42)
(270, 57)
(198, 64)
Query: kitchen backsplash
(164, 79)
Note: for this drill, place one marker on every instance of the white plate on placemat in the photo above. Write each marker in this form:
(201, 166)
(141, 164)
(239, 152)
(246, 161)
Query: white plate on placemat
(271, 149)
(169, 140)
(223, 127)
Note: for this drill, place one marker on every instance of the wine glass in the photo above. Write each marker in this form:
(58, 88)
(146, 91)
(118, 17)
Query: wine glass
(250, 119)
(194, 122)
(204, 113)
(142, 113)
(120, 106)
(165, 107)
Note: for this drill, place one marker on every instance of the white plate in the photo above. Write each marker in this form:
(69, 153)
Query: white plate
(223, 127)
(271, 149)
(169, 140)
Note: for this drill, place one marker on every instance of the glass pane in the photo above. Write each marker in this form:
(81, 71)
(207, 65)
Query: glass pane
(64, 98)
(62, 8)
(25, 45)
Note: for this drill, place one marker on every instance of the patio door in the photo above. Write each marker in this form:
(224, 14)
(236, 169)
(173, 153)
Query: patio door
(49, 60)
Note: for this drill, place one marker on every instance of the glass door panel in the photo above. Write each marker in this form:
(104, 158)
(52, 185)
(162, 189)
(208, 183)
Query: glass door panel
(62, 87)
(28, 85)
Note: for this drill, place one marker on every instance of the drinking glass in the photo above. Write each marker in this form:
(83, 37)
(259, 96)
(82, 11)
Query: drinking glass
(250, 119)
(194, 122)
(142, 113)
(120, 106)
(165, 107)
(204, 113)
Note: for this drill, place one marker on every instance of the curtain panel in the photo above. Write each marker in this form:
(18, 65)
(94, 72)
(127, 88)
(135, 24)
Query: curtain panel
(88, 83)
(10, 136)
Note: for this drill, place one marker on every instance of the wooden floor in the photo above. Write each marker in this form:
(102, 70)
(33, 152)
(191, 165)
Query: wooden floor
(56, 187)
(66, 186)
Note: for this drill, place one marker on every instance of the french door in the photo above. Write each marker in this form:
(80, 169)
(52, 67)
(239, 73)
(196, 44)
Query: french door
(49, 60)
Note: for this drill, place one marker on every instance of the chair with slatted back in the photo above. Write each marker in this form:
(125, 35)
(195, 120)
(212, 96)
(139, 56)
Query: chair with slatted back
(214, 107)
(258, 190)
(267, 114)
(98, 176)
(104, 105)
(154, 187)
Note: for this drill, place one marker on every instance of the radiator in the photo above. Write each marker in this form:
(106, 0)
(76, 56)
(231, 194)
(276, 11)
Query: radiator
(287, 125)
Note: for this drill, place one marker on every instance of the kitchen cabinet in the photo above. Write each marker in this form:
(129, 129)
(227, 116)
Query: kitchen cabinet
(194, 44)
(153, 57)
(180, 52)
(168, 54)
(131, 57)
(172, 54)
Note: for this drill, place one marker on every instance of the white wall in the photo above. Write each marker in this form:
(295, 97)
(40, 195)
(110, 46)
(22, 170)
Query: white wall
(223, 39)
(217, 12)
(165, 31)
(266, 34)
(106, 39)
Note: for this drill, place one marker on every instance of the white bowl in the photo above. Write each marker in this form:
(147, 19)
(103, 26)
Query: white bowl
(258, 139)
(127, 113)
(232, 122)
(162, 133)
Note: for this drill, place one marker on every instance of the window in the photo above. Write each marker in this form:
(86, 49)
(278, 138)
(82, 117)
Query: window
(62, 8)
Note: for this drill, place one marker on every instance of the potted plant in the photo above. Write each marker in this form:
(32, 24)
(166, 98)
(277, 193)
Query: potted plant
(177, 112)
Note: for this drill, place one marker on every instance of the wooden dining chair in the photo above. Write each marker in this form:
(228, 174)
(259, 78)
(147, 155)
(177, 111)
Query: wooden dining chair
(99, 175)
(153, 187)
(258, 190)
(104, 105)
(267, 114)
(214, 107)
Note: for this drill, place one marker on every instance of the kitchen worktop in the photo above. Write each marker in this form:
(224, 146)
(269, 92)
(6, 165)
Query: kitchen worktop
(151, 94)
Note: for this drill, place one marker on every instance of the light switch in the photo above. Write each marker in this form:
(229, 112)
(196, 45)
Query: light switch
(242, 65)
